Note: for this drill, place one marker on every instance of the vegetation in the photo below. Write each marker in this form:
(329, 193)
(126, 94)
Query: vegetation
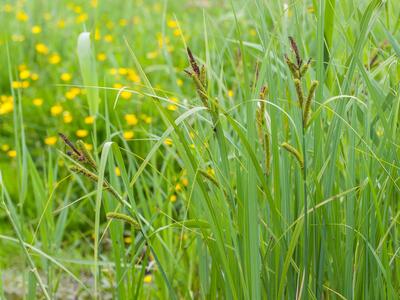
(199, 149)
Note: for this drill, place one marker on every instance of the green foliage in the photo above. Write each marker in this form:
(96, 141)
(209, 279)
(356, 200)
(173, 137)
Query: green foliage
(240, 149)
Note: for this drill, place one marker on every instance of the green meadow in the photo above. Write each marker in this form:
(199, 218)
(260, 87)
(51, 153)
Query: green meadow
(199, 149)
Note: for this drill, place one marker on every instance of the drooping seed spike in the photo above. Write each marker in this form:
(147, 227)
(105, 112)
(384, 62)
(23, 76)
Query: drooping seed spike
(292, 150)
(305, 68)
(299, 92)
(292, 67)
(307, 106)
(263, 94)
(79, 170)
(123, 217)
(88, 157)
(260, 122)
(203, 76)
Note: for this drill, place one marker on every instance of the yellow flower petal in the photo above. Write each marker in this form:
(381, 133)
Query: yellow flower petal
(12, 153)
(66, 77)
(55, 110)
(37, 101)
(89, 120)
(128, 134)
(82, 133)
(50, 140)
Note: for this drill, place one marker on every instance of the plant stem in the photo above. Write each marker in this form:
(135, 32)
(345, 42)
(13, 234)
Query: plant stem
(305, 254)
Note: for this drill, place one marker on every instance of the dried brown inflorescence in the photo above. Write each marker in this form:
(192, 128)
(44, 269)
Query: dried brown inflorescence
(84, 163)
(298, 71)
(262, 127)
(199, 78)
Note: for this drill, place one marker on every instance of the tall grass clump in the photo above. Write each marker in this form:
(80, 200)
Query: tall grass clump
(252, 155)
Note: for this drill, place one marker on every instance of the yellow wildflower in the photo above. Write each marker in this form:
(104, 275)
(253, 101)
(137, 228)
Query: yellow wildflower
(16, 84)
(101, 56)
(126, 95)
(128, 134)
(36, 29)
(54, 59)
(148, 278)
(66, 76)
(20, 84)
(147, 119)
(82, 133)
(42, 48)
(12, 153)
(173, 107)
(133, 76)
(172, 198)
(108, 38)
(72, 93)
(210, 171)
(123, 71)
(89, 120)
(76, 90)
(5, 147)
(117, 171)
(230, 93)
(61, 23)
(22, 16)
(177, 32)
(37, 101)
(131, 119)
(168, 142)
(123, 22)
(7, 8)
(50, 140)
(77, 9)
(152, 54)
(55, 110)
(34, 76)
(67, 117)
(97, 34)
(24, 74)
(172, 24)
(81, 18)
(6, 107)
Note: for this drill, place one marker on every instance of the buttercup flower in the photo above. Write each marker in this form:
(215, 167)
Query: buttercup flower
(55, 110)
(50, 140)
(42, 48)
(37, 101)
(81, 133)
